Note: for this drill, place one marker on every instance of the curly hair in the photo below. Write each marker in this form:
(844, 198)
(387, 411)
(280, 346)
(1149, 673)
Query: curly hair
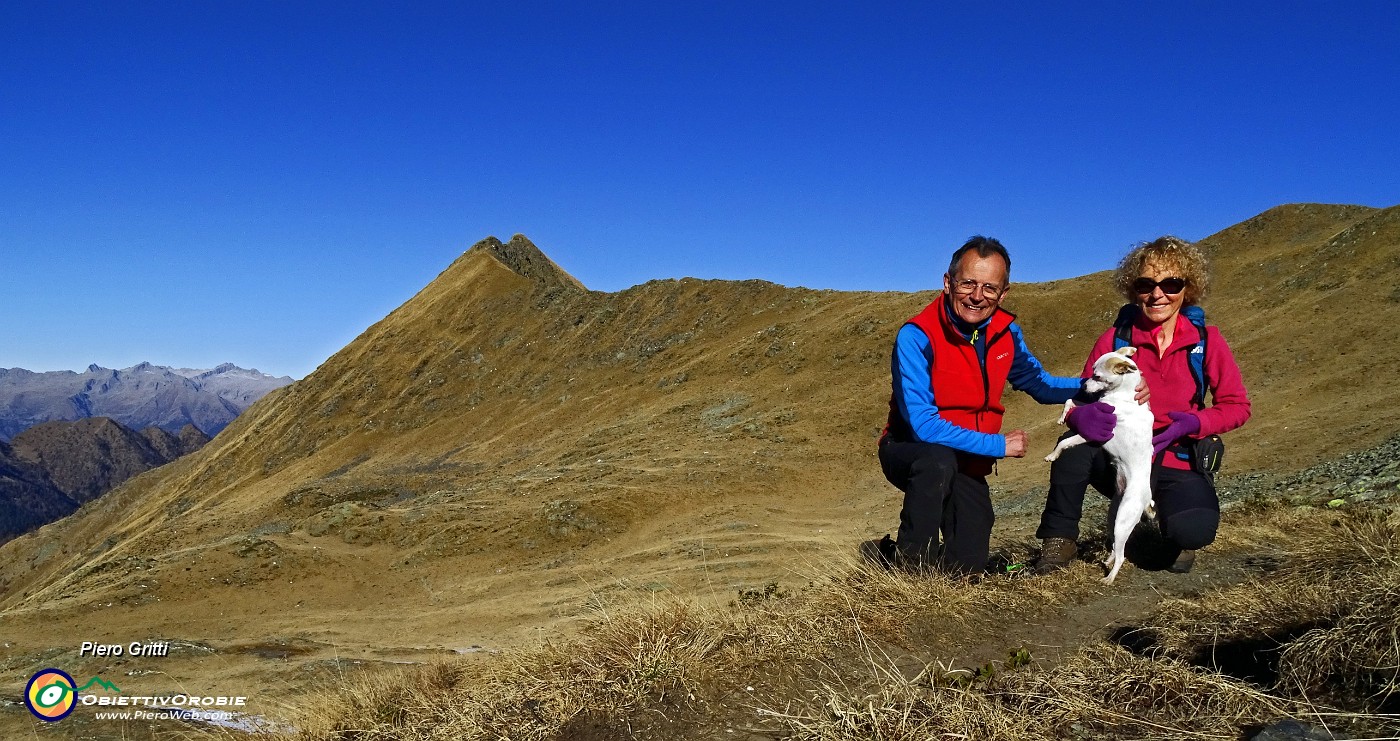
(1174, 254)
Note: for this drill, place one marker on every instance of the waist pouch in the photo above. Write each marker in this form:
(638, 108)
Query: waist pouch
(1210, 454)
(1205, 455)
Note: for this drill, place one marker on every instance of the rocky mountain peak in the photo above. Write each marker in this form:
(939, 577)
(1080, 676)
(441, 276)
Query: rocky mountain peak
(524, 258)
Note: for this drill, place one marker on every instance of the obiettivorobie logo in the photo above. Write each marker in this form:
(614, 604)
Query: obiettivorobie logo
(52, 694)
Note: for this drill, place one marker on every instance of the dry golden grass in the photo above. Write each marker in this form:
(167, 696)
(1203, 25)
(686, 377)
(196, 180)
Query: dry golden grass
(677, 662)
(1102, 692)
(656, 657)
(832, 661)
(1324, 625)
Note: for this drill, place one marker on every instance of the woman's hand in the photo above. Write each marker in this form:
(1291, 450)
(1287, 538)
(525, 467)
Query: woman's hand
(1093, 422)
(1183, 424)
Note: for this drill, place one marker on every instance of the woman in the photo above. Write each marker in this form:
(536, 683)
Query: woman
(1162, 281)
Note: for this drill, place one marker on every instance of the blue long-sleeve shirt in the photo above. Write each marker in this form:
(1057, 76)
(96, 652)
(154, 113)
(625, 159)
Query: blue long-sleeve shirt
(916, 401)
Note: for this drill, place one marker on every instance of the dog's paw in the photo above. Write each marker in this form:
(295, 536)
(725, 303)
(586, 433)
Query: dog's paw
(1064, 415)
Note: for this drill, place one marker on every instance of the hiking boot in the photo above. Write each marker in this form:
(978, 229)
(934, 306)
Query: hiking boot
(1055, 554)
(1183, 563)
(882, 552)
(886, 552)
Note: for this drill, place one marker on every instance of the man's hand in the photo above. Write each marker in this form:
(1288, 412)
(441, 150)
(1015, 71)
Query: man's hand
(1016, 444)
(1143, 392)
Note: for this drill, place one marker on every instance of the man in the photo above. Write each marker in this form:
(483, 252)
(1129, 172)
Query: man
(950, 365)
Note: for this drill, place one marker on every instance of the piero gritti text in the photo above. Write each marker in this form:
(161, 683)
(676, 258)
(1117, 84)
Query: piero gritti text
(135, 648)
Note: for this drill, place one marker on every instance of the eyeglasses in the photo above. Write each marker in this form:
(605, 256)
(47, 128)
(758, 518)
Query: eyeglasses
(1169, 286)
(967, 286)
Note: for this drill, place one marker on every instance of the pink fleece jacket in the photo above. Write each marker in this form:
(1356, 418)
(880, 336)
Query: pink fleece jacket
(1169, 378)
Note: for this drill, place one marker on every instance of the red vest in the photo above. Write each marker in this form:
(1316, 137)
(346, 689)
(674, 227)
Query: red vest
(968, 394)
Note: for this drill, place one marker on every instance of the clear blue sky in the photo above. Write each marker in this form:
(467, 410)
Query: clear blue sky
(257, 182)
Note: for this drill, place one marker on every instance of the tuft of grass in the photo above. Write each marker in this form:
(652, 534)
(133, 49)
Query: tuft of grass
(1322, 625)
(1102, 692)
(643, 659)
(1106, 691)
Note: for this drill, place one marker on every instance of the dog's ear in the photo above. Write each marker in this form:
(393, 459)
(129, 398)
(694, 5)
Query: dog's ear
(1126, 351)
(1121, 366)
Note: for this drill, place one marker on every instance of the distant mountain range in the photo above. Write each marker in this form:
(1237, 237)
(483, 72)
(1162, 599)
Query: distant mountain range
(50, 470)
(141, 396)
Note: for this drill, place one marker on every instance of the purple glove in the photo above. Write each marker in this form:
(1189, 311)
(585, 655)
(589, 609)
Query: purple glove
(1093, 422)
(1183, 424)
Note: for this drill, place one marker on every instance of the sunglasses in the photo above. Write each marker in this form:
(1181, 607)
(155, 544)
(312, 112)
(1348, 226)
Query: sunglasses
(1169, 286)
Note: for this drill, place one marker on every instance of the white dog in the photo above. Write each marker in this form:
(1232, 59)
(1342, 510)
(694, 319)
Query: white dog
(1116, 377)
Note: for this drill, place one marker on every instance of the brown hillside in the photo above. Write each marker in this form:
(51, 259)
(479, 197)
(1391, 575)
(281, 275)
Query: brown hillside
(507, 447)
(52, 468)
(170, 445)
(87, 457)
(28, 498)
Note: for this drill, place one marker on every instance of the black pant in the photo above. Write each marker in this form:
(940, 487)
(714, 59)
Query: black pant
(938, 498)
(1187, 507)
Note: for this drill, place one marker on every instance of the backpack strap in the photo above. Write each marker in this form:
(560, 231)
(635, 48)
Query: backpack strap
(1123, 326)
(1123, 336)
(1197, 359)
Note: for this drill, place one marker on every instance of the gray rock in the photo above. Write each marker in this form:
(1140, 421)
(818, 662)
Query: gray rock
(1292, 730)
